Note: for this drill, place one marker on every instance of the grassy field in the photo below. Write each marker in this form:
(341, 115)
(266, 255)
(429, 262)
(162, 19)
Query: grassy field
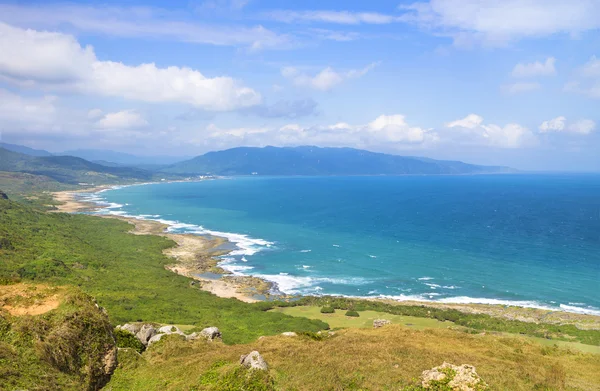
(365, 320)
(389, 358)
(124, 272)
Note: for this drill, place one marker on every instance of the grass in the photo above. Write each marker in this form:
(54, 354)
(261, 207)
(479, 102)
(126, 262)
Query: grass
(60, 349)
(389, 358)
(124, 272)
(340, 320)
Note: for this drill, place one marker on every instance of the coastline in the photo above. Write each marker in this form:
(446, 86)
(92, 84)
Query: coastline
(198, 255)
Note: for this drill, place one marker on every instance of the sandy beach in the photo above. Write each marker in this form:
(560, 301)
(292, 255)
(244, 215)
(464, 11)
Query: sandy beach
(196, 255)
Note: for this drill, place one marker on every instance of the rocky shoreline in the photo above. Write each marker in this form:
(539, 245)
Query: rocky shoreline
(197, 256)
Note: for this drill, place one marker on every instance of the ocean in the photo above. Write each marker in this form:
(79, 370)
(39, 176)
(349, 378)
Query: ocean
(528, 240)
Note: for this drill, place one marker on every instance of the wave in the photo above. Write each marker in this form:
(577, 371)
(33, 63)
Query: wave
(289, 284)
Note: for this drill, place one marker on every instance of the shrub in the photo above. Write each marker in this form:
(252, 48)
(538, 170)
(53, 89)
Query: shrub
(352, 313)
(327, 310)
(127, 340)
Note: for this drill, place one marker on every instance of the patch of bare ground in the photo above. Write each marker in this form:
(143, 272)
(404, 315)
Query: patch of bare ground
(29, 299)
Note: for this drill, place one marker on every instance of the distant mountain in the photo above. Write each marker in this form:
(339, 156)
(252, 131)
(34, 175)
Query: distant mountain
(310, 160)
(69, 169)
(25, 150)
(121, 158)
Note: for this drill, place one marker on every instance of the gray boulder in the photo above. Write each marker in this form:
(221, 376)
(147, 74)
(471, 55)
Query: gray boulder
(132, 328)
(210, 333)
(377, 323)
(254, 361)
(462, 378)
(155, 338)
(289, 334)
(146, 332)
(169, 330)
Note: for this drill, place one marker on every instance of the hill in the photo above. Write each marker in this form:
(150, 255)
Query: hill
(310, 160)
(103, 156)
(69, 169)
(25, 150)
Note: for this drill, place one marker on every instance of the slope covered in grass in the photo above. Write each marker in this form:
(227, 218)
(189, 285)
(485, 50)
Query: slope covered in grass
(124, 272)
(389, 358)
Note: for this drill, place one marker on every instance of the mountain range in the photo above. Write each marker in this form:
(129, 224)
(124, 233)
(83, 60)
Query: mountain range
(306, 160)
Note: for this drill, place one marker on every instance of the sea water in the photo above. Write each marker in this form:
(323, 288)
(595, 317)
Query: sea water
(529, 240)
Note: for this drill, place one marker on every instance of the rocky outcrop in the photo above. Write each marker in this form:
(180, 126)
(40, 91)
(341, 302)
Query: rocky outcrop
(169, 329)
(210, 333)
(254, 361)
(132, 328)
(377, 323)
(146, 332)
(455, 377)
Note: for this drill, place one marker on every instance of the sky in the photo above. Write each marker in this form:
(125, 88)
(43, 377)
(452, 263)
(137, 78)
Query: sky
(500, 82)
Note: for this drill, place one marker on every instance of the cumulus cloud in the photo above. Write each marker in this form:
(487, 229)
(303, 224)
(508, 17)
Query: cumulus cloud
(324, 80)
(17, 112)
(500, 22)
(535, 69)
(521, 87)
(126, 119)
(142, 22)
(57, 61)
(587, 81)
(336, 17)
(473, 130)
(560, 124)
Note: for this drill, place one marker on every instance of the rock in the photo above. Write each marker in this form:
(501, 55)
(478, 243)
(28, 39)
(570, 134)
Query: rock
(3, 195)
(458, 378)
(210, 333)
(132, 328)
(192, 336)
(289, 334)
(169, 330)
(109, 362)
(253, 361)
(155, 338)
(146, 332)
(377, 323)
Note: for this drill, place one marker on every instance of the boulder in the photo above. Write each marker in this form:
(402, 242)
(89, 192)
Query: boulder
(146, 332)
(289, 334)
(169, 330)
(210, 333)
(155, 338)
(132, 328)
(377, 323)
(109, 362)
(254, 361)
(457, 378)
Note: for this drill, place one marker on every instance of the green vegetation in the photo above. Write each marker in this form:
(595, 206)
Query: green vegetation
(327, 310)
(352, 314)
(389, 358)
(124, 272)
(125, 339)
(478, 322)
(68, 170)
(63, 349)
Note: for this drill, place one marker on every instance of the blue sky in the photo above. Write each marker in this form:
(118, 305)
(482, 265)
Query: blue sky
(511, 82)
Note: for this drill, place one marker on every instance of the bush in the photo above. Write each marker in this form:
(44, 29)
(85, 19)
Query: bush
(352, 313)
(127, 340)
(327, 310)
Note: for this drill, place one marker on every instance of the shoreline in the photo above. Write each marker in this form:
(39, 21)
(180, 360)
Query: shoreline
(198, 254)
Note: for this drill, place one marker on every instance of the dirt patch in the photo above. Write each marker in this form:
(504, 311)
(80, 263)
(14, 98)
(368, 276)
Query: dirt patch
(29, 299)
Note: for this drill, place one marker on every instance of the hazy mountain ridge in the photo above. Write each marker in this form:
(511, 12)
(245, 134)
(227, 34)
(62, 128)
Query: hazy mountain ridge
(309, 160)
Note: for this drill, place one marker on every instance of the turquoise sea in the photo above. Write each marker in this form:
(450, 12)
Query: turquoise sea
(529, 240)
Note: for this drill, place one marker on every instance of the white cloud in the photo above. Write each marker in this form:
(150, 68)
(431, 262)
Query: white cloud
(324, 80)
(554, 125)
(588, 79)
(472, 130)
(141, 22)
(560, 124)
(393, 128)
(336, 17)
(17, 112)
(499, 22)
(535, 69)
(57, 61)
(520, 87)
(584, 126)
(126, 119)
(94, 114)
